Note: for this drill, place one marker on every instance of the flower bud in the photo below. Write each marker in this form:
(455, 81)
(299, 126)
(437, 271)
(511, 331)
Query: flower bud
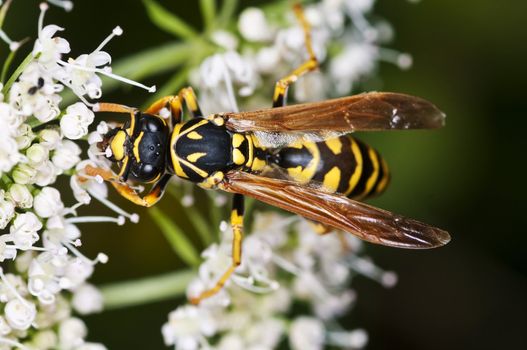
(7, 211)
(66, 155)
(50, 138)
(48, 203)
(21, 196)
(20, 315)
(74, 124)
(87, 299)
(24, 174)
(36, 154)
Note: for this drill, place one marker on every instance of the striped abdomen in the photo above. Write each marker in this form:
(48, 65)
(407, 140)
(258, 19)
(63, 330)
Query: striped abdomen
(342, 164)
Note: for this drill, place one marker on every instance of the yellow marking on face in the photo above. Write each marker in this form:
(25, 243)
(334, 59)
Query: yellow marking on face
(117, 145)
(124, 165)
(130, 130)
(373, 177)
(237, 157)
(237, 140)
(173, 156)
(194, 135)
(332, 179)
(335, 145)
(258, 164)
(136, 146)
(251, 151)
(195, 156)
(355, 177)
(385, 179)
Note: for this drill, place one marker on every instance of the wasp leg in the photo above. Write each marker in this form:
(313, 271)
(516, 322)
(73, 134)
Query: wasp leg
(282, 85)
(175, 102)
(117, 108)
(151, 198)
(237, 230)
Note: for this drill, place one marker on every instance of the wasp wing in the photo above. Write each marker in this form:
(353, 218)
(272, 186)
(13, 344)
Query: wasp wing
(368, 223)
(368, 111)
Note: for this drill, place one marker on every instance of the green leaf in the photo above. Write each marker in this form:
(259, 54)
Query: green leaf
(167, 21)
(208, 12)
(176, 237)
(227, 11)
(146, 290)
(202, 226)
(3, 11)
(17, 72)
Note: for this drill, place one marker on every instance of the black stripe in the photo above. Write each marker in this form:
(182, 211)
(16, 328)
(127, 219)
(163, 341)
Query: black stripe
(367, 170)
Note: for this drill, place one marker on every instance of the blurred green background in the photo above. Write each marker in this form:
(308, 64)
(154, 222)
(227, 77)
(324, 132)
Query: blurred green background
(469, 59)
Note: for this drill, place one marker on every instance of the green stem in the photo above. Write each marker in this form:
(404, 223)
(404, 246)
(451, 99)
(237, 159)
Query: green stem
(176, 237)
(226, 12)
(17, 72)
(146, 290)
(208, 11)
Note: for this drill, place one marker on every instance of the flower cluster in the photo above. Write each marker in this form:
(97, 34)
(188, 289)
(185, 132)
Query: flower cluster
(346, 43)
(286, 267)
(43, 281)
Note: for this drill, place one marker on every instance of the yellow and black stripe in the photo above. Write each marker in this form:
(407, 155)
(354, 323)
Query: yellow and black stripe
(342, 164)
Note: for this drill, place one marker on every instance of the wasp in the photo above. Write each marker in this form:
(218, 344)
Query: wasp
(300, 158)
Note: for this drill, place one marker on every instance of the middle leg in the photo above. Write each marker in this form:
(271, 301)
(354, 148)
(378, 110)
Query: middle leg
(282, 85)
(237, 231)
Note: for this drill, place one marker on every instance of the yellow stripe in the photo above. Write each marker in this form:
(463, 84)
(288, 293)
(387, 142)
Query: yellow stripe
(123, 166)
(332, 179)
(251, 151)
(194, 136)
(237, 140)
(173, 156)
(195, 156)
(237, 157)
(117, 145)
(373, 177)
(385, 179)
(355, 177)
(136, 146)
(334, 145)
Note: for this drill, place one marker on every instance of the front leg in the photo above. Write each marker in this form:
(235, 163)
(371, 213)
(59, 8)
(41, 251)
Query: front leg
(151, 198)
(175, 105)
(237, 231)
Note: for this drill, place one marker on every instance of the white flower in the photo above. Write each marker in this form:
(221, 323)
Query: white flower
(49, 48)
(20, 314)
(36, 154)
(6, 252)
(4, 326)
(66, 156)
(24, 136)
(307, 333)
(24, 174)
(87, 299)
(253, 25)
(7, 210)
(9, 155)
(74, 124)
(48, 203)
(46, 173)
(72, 333)
(24, 230)
(50, 138)
(187, 326)
(352, 64)
(91, 346)
(45, 340)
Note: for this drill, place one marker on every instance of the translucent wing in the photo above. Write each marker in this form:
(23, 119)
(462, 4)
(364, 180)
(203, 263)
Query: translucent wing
(367, 222)
(368, 111)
